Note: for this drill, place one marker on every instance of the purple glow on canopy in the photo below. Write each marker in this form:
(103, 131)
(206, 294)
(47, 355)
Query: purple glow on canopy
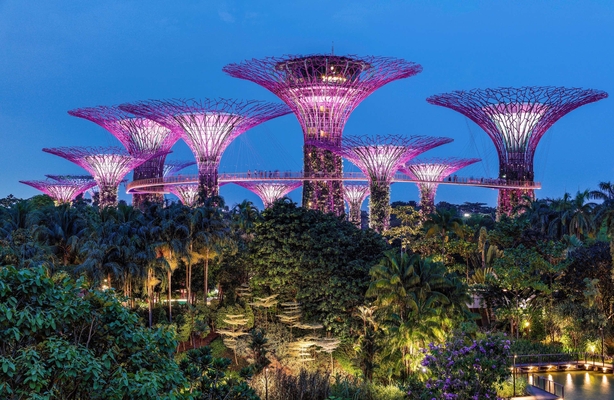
(187, 194)
(62, 191)
(77, 179)
(323, 90)
(208, 127)
(108, 166)
(355, 195)
(380, 157)
(174, 166)
(433, 170)
(139, 135)
(516, 119)
(269, 192)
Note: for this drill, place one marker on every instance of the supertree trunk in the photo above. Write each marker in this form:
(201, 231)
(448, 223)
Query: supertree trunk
(207, 184)
(354, 215)
(379, 206)
(149, 169)
(107, 196)
(326, 196)
(427, 199)
(512, 198)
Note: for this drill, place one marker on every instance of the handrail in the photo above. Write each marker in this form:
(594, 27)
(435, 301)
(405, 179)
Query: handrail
(157, 184)
(547, 385)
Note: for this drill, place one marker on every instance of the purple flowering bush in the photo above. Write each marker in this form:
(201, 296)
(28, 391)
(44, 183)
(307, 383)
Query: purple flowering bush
(464, 369)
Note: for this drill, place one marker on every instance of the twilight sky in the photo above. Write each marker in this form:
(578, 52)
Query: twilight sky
(56, 56)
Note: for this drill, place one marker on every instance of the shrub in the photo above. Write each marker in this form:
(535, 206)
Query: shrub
(463, 369)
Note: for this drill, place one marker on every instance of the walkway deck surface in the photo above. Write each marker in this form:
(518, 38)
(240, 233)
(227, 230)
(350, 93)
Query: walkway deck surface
(536, 394)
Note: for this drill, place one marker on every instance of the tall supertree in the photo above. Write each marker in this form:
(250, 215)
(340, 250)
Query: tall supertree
(355, 195)
(174, 166)
(139, 136)
(516, 119)
(62, 191)
(379, 157)
(322, 91)
(430, 172)
(108, 166)
(208, 127)
(187, 193)
(269, 192)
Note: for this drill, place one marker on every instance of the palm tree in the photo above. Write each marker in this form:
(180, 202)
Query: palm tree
(537, 211)
(63, 228)
(210, 232)
(441, 224)
(410, 292)
(579, 217)
(244, 215)
(169, 227)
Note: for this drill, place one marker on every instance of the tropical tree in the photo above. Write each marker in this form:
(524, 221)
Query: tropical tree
(410, 293)
(209, 234)
(442, 224)
(60, 340)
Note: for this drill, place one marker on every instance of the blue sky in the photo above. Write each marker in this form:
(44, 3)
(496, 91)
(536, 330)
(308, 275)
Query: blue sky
(56, 56)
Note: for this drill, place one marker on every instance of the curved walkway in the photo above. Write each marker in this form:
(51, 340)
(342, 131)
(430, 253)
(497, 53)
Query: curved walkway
(161, 185)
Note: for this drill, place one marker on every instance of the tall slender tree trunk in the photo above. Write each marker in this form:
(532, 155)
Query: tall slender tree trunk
(188, 277)
(170, 306)
(206, 275)
(149, 297)
(189, 282)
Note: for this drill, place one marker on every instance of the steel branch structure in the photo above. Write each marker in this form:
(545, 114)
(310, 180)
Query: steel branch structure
(187, 194)
(108, 166)
(379, 157)
(355, 195)
(431, 171)
(322, 91)
(269, 192)
(62, 191)
(139, 136)
(516, 119)
(208, 127)
(172, 167)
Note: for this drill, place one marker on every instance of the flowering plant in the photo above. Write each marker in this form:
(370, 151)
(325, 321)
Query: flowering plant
(464, 369)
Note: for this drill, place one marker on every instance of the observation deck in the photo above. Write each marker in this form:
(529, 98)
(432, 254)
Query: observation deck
(161, 185)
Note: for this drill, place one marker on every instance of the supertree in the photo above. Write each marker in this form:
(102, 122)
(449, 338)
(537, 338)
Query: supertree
(139, 136)
(355, 195)
(187, 193)
(379, 157)
(108, 166)
(62, 191)
(323, 90)
(516, 119)
(269, 192)
(208, 127)
(430, 172)
(174, 166)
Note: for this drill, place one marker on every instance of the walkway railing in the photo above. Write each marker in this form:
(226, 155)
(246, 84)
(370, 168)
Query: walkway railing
(158, 184)
(547, 385)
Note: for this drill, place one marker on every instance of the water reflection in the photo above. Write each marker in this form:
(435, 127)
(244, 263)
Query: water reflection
(584, 385)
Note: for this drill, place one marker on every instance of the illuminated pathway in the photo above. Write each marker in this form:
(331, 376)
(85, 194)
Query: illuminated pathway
(162, 185)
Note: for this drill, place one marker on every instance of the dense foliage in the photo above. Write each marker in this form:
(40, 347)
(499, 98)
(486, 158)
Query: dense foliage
(293, 290)
(319, 260)
(63, 341)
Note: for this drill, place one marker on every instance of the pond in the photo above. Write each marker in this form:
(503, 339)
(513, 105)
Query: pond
(582, 385)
